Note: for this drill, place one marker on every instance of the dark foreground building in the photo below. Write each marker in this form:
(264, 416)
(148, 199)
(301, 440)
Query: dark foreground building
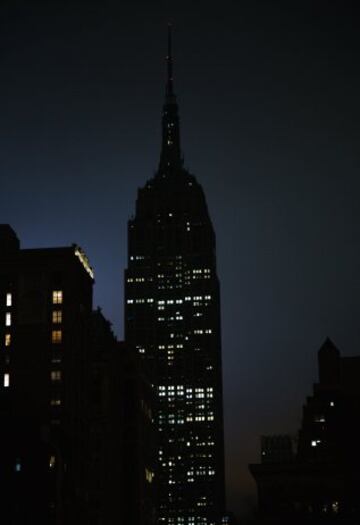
(317, 478)
(76, 432)
(172, 320)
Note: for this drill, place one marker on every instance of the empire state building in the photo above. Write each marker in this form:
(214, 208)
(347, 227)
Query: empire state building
(172, 321)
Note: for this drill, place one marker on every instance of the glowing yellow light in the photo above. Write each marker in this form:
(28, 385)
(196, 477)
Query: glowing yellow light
(84, 261)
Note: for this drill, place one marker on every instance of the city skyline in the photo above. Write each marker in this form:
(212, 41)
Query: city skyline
(283, 106)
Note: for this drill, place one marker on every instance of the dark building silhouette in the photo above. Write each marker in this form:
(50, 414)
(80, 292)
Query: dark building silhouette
(137, 436)
(76, 440)
(317, 477)
(172, 321)
(45, 307)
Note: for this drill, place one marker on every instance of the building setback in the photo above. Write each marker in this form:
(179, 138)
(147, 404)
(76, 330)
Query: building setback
(172, 321)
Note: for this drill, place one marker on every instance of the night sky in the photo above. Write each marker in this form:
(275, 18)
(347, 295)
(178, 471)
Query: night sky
(269, 106)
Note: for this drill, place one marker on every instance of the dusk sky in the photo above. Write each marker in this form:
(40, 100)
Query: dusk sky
(270, 125)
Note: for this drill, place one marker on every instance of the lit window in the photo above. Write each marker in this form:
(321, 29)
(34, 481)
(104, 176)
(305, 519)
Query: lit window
(8, 299)
(56, 375)
(332, 404)
(56, 336)
(8, 319)
(52, 461)
(57, 297)
(7, 339)
(6, 380)
(18, 466)
(57, 316)
(55, 402)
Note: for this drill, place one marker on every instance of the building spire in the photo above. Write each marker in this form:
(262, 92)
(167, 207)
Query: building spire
(169, 84)
(170, 158)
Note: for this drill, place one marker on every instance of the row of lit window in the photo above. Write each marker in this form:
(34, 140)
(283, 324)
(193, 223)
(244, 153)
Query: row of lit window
(189, 395)
(201, 443)
(171, 287)
(57, 315)
(56, 335)
(139, 301)
(162, 347)
(8, 321)
(7, 341)
(180, 421)
(171, 301)
(188, 389)
(164, 414)
(136, 280)
(171, 395)
(196, 520)
(172, 318)
(7, 338)
(199, 418)
(199, 471)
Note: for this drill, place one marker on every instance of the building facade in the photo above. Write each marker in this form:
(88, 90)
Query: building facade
(172, 321)
(45, 310)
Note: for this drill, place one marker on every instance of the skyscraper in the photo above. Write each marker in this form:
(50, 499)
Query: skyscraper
(172, 320)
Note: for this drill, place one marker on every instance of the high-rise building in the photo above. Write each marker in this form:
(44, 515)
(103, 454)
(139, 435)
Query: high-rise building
(45, 310)
(172, 320)
(76, 426)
